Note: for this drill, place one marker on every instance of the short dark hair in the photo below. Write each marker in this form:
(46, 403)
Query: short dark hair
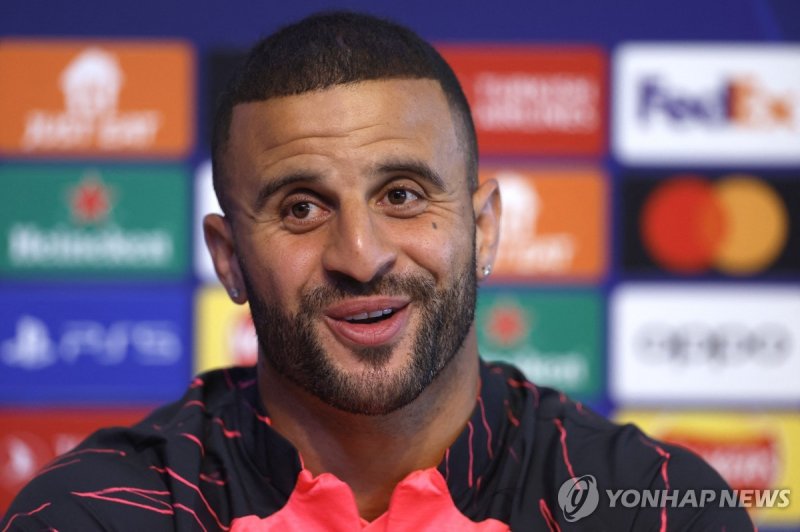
(336, 48)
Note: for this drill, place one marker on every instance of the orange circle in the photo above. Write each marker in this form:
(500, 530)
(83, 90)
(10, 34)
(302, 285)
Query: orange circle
(756, 225)
(683, 223)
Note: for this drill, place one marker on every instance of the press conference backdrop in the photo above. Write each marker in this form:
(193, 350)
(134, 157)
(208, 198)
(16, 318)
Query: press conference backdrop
(649, 160)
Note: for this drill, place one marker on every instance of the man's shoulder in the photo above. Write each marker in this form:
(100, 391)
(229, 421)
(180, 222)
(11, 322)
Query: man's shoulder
(132, 474)
(640, 481)
(577, 435)
(621, 453)
(569, 441)
(78, 487)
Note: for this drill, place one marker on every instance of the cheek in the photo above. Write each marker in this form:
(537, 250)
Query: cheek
(282, 268)
(441, 250)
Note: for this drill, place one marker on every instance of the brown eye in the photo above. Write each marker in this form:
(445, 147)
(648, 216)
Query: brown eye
(402, 202)
(301, 210)
(397, 196)
(300, 214)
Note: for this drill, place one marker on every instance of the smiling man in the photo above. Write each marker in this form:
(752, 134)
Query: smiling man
(352, 236)
(345, 160)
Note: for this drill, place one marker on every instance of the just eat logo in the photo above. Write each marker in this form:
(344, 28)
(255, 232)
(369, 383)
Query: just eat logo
(96, 98)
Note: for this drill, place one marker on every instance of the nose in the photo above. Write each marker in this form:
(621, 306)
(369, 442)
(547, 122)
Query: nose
(358, 247)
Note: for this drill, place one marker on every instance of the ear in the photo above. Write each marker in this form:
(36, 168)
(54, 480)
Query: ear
(487, 207)
(220, 244)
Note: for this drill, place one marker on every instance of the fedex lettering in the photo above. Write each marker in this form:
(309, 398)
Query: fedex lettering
(739, 101)
(33, 347)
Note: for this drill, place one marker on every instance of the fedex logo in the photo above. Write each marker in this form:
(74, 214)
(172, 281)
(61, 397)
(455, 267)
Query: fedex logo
(706, 104)
(742, 102)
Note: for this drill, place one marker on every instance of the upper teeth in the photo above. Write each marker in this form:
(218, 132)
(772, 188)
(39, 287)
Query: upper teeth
(373, 314)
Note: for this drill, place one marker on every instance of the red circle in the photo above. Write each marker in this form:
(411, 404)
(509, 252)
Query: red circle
(682, 224)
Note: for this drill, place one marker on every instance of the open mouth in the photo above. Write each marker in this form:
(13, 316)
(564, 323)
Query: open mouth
(367, 318)
(368, 321)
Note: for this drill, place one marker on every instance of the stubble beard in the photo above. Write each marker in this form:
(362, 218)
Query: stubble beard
(292, 348)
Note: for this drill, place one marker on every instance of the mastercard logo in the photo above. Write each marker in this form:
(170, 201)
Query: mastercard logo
(737, 224)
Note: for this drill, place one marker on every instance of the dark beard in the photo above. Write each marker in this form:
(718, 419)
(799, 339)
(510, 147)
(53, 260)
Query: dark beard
(291, 347)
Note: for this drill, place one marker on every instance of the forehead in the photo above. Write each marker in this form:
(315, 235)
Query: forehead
(406, 116)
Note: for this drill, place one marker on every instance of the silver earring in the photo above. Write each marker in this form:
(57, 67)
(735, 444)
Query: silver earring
(234, 293)
(487, 271)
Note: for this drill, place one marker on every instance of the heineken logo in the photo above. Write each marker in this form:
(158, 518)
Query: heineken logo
(552, 336)
(57, 247)
(90, 200)
(507, 325)
(113, 219)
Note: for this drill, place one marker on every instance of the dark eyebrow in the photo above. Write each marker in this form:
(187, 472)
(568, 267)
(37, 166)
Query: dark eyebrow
(271, 187)
(412, 166)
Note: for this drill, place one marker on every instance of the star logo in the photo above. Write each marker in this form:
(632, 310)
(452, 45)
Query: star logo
(507, 325)
(90, 200)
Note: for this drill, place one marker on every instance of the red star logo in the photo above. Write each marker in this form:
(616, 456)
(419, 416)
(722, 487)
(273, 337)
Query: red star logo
(90, 200)
(506, 325)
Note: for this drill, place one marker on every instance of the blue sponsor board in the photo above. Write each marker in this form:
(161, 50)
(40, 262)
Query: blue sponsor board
(101, 344)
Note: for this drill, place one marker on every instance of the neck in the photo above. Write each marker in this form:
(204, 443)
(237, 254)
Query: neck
(373, 453)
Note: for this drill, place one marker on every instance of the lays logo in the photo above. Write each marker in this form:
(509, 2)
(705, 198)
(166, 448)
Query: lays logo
(747, 462)
(225, 332)
(753, 450)
(96, 98)
(242, 340)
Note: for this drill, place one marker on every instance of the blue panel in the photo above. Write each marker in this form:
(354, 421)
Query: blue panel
(240, 22)
(93, 344)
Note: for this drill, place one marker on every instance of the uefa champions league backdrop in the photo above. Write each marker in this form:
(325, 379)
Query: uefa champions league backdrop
(648, 154)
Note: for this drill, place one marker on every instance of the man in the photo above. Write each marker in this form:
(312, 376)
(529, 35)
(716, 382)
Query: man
(346, 163)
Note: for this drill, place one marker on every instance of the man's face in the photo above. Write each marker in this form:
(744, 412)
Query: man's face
(354, 231)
